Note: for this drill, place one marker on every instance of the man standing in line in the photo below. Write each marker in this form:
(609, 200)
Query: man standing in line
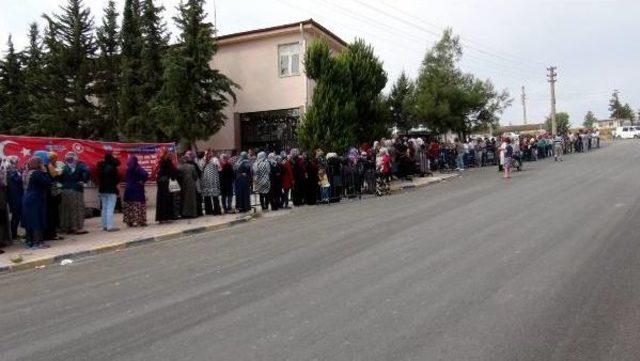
(558, 147)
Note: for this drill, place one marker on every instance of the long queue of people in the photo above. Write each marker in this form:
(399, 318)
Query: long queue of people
(46, 197)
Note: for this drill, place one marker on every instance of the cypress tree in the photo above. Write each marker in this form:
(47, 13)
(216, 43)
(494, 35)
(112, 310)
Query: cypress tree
(193, 96)
(108, 70)
(154, 46)
(130, 99)
(13, 109)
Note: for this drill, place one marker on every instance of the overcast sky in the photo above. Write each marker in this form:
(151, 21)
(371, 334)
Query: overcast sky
(593, 42)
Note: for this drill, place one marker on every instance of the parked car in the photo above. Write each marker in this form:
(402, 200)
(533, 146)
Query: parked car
(628, 132)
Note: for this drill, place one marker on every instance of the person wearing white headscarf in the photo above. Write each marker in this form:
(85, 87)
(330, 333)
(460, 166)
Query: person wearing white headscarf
(75, 175)
(262, 179)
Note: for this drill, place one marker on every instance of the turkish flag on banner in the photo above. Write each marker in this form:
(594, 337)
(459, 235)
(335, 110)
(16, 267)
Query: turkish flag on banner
(89, 152)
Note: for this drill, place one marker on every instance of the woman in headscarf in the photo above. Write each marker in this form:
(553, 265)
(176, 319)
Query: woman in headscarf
(312, 189)
(261, 179)
(299, 178)
(108, 180)
(242, 170)
(73, 178)
(34, 213)
(135, 203)
(54, 198)
(165, 198)
(5, 224)
(211, 184)
(334, 172)
(188, 188)
(192, 159)
(227, 178)
(275, 196)
(287, 181)
(384, 173)
(15, 193)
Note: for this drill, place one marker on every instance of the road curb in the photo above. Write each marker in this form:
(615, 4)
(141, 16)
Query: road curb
(409, 187)
(172, 236)
(128, 244)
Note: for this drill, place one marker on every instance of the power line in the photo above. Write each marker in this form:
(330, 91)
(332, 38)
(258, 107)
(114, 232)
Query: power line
(394, 42)
(377, 23)
(469, 45)
(465, 38)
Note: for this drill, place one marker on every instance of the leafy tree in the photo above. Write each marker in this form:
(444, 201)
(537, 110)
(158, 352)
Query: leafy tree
(448, 99)
(107, 72)
(130, 98)
(562, 123)
(589, 119)
(155, 41)
(13, 105)
(193, 96)
(399, 103)
(74, 31)
(619, 111)
(615, 106)
(347, 106)
(330, 121)
(368, 79)
(627, 113)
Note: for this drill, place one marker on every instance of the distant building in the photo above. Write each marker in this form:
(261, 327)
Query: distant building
(275, 93)
(611, 123)
(530, 129)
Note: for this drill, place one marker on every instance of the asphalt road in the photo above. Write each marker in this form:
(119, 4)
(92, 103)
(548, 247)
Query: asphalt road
(545, 266)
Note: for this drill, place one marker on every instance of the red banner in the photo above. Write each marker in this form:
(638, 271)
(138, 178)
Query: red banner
(89, 152)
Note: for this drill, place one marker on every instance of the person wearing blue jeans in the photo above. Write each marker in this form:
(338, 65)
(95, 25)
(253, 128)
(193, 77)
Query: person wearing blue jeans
(108, 202)
(108, 179)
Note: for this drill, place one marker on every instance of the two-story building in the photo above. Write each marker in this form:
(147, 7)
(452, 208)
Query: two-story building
(268, 66)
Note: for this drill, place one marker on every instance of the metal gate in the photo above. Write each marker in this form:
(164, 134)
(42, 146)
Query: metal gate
(270, 130)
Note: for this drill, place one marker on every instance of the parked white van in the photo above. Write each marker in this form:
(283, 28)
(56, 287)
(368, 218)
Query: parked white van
(628, 132)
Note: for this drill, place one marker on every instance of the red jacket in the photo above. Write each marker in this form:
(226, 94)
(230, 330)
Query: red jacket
(287, 175)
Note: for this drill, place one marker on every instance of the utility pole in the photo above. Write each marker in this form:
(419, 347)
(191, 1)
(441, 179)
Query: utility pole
(215, 17)
(524, 105)
(552, 80)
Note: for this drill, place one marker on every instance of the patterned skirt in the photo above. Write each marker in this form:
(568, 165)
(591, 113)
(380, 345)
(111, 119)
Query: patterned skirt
(71, 210)
(135, 214)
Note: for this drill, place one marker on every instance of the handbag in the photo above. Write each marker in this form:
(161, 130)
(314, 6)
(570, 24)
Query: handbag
(174, 186)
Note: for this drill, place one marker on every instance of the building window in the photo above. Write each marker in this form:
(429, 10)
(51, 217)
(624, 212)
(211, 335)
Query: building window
(289, 56)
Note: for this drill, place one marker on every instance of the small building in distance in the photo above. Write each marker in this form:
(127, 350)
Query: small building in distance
(611, 123)
(524, 129)
(274, 91)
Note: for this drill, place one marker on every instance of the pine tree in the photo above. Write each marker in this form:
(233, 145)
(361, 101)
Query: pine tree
(368, 79)
(193, 96)
(130, 99)
(74, 29)
(49, 109)
(34, 78)
(13, 109)
(615, 106)
(108, 70)
(398, 98)
(331, 120)
(154, 47)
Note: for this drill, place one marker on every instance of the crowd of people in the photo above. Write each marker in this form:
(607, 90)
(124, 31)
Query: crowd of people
(46, 196)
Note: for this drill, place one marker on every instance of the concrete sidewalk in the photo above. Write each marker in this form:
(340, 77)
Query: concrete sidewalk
(98, 241)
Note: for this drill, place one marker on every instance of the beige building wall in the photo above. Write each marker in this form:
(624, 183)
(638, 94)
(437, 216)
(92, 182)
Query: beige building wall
(253, 63)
